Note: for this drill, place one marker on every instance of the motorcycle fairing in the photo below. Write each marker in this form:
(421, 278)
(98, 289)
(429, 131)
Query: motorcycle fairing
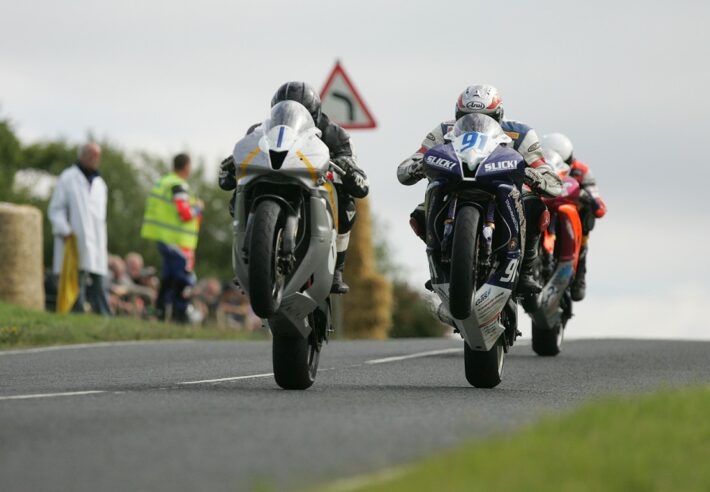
(547, 315)
(285, 154)
(441, 161)
(306, 157)
(567, 243)
(483, 327)
(502, 163)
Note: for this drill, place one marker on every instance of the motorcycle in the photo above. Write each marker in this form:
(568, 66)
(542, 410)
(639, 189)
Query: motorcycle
(551, 309)
(475, 238)
(285, 229)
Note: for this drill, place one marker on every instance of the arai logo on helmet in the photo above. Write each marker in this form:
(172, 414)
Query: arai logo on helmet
(501, 166)
(475, 105)
(432, 160)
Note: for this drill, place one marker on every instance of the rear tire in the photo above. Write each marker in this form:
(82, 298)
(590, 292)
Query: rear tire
(484, 369)
(547, 343)
(295, 360)
(463, 262)
(265, 281)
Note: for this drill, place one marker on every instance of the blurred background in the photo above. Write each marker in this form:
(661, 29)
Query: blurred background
(626, 81)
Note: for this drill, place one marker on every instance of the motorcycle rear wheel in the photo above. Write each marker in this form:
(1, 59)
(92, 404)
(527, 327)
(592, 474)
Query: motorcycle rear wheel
(266, 282)
(295, 359)
(484, 369)
(546, 342)
(463, 262)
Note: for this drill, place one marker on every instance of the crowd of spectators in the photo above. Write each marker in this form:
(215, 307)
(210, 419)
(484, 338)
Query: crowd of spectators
(133, 290)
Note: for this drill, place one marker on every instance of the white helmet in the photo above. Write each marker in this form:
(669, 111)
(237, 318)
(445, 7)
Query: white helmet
(560, 144)
(556, 163)
(481, 98)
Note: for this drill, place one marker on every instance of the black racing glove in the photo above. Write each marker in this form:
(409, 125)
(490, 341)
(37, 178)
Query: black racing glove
(354, 180)
(228, 174)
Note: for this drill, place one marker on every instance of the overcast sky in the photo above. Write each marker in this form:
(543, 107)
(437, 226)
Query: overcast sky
(627, 81)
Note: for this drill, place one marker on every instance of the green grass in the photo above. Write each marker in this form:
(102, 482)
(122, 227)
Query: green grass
(20, 327)
(659, 442)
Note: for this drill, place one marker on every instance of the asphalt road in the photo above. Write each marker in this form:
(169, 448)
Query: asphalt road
(122, 417)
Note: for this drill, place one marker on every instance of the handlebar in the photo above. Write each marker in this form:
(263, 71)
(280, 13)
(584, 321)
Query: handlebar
(338, 170)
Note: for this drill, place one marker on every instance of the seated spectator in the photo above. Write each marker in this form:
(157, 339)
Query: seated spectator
(206, 298)
(234, 310)
(136, 269)
(120, 285)
(125, 296)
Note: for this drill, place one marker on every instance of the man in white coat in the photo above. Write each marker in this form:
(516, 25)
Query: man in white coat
(78, 207)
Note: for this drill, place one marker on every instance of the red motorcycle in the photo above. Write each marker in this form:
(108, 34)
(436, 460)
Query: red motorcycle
(551, 309)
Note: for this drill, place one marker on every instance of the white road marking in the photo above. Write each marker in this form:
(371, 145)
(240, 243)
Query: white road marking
(50, 395)
(384, 360)
(53, 348)
(234, 378)
(414, 356)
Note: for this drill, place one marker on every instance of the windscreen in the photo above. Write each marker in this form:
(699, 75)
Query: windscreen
(554, 160)
(291, 114)
(478, 123)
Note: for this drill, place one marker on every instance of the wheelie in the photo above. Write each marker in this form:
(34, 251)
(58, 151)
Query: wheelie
(475, 231)
(294, 178)
(498, 222)
(551, 309)
(285, 237)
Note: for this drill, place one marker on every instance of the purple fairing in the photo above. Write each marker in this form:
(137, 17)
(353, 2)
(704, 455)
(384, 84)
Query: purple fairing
(503, 163)
(442, 162)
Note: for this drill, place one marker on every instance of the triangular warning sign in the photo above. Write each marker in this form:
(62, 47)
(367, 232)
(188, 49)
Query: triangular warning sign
(342, 103)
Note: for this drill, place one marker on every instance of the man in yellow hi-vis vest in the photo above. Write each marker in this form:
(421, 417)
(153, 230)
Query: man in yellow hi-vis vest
(172, 218)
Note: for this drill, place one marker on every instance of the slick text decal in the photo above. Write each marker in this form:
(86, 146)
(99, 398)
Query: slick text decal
(501, 166)
(440, 162)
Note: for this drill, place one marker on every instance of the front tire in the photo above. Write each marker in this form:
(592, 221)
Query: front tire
(484, 369)
(546, 342)
(463, 262)
(266, 281)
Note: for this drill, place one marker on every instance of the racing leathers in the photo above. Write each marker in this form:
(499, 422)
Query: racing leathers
(354, 185)
(592, 207)
(539, 176)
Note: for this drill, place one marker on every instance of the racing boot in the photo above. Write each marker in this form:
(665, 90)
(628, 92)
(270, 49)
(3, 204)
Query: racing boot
(339, 285)
(528, 282)
(579, 285)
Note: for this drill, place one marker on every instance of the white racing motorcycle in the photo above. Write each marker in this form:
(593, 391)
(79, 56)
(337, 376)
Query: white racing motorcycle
(285, 229)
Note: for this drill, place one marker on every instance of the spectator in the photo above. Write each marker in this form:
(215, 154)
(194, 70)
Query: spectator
(78, 208)
(207, 299)
(139, 273)
(234, 310)
(172, 218)
(120, 286)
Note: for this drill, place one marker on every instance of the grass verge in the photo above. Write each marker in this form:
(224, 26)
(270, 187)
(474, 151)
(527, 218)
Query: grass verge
(20, 327)
(659, 442)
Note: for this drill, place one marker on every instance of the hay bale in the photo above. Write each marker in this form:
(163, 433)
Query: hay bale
(367, 309)
(21, 255)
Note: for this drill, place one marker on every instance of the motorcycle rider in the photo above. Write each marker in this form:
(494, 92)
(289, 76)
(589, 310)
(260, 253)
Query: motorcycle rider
(591, 206)
(486, 99)
(355, 184)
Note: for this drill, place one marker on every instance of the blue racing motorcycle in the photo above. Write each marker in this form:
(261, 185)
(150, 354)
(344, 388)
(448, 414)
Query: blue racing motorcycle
(475, 237)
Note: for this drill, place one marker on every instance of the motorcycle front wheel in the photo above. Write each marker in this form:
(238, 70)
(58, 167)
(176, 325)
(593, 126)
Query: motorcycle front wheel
(266, 281)
(463, 262)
